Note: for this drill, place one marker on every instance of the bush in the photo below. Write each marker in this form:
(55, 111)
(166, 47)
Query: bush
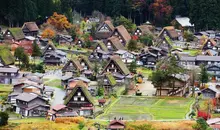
(203, 115)
(81, 125)
(64, 120)
(3, 118)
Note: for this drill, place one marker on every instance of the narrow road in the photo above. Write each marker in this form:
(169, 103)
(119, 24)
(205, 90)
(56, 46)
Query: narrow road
(147, 88)
(58, 96)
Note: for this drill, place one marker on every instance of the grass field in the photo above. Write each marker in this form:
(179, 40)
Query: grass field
(53, 83)
(138, 108)
(146, 72)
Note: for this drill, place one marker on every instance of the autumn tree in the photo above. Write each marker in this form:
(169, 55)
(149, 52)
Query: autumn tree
(161, 11)
(59, 21)
(48, 33)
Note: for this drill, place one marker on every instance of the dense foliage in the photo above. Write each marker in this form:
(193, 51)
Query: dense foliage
(204, 14)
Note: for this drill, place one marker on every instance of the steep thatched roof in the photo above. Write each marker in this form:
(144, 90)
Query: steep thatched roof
(118, 61)
(31, 26)
(124, 33)
(17, 33)
(111, 79)
(6, 56)
(116, 43)
(75, 62)
(102, 45)
(84, 90)
(85, 58)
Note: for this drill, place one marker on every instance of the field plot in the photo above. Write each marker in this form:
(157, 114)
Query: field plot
(139, 108)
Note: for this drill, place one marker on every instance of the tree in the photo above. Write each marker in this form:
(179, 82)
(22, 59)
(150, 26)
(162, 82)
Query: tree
(127, 23)
(100, 91)
(3, 118)
(36, 51)
(133, 67)
(161, 10)
(25, 60)
(158, 78)
(188, 35)
(48, 33)
(201, 16)
(59, 21)
(19, 53)
(147, 40)
(73, 31)
(204, 77)
(132, 45)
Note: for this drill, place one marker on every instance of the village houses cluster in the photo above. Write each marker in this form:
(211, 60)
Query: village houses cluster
(31, 97)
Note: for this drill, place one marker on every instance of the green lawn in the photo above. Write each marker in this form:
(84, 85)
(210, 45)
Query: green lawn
(5, 88)
(146, 72)
(53, 83)
(137, 108)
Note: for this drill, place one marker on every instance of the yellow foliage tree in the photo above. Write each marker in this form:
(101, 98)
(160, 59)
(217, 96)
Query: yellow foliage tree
(48, 33)
(59, 21)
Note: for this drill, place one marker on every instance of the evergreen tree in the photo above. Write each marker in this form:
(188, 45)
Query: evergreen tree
(133, 67)
(36, 51)
(19, 53)
(204, 77)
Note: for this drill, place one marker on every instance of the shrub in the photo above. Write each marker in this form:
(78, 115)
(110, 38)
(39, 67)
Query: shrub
(204, 115)
(81, 125)
(200, 125)
(3, 118)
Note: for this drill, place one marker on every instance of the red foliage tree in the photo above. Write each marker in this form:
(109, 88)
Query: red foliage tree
(203, 115)
(161, 9)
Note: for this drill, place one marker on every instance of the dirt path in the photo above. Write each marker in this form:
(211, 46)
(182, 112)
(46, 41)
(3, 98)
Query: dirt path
(147, 88)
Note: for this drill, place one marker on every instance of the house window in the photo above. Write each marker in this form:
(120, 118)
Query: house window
(82, 99)
(121, 40)
(115, 70)
(98, 47)
(49, 48)
(209, 44)
(79, 42)
(140, 33)
(138, 30)
(116, 33)
(79, 93)
(112, 65)
(109, 44)
(75, 98)
(135, 33)
(209, 62)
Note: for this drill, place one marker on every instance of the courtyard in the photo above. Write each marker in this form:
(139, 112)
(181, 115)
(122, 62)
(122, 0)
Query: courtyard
(148, 108)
